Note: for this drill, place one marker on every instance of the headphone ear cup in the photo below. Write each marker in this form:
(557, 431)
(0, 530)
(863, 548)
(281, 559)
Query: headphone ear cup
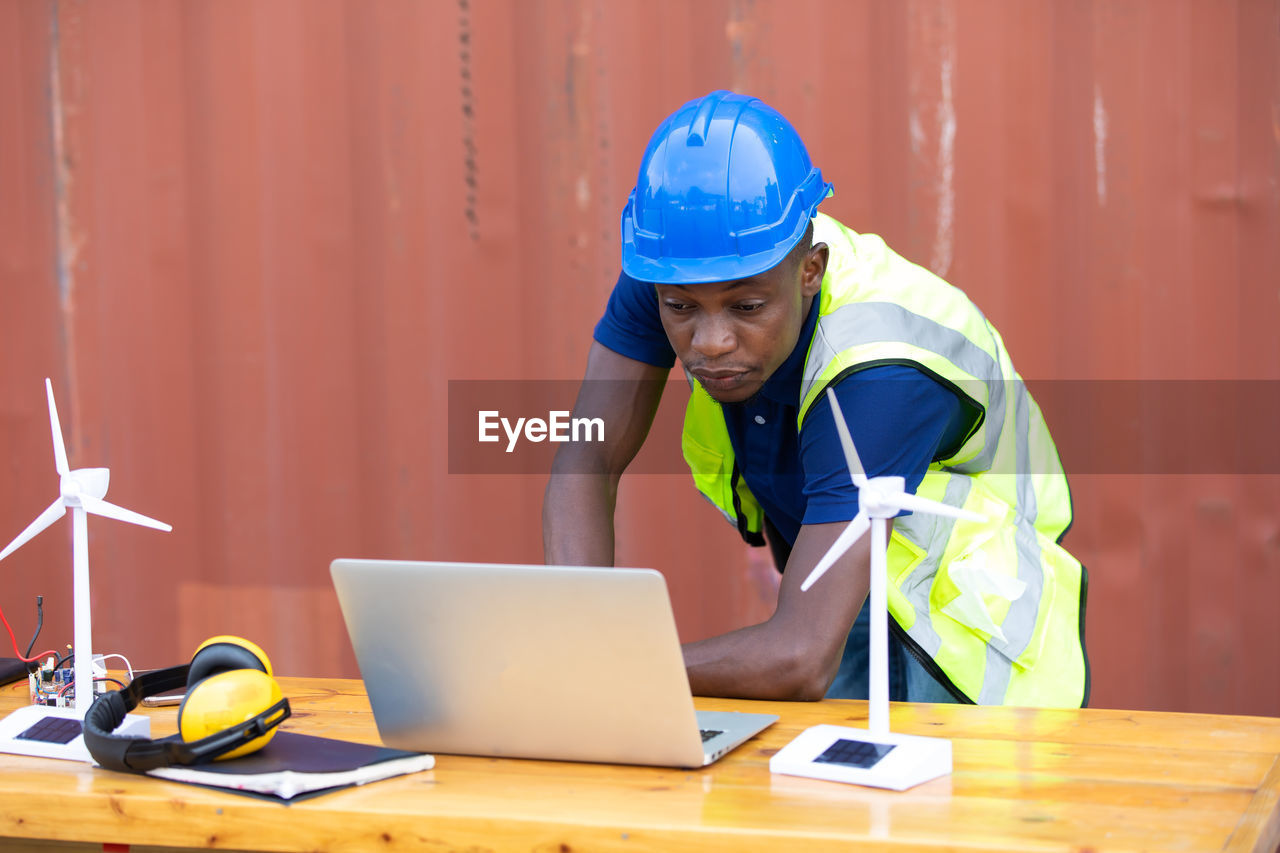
(226, 699)
(224, 653)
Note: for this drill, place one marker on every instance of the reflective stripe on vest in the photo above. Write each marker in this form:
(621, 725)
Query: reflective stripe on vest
(996, 605)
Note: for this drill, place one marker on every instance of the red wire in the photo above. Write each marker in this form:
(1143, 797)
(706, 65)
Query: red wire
(14, 640)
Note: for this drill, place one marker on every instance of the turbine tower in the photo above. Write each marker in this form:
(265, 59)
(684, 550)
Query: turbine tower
(82, 491)
(876, 757)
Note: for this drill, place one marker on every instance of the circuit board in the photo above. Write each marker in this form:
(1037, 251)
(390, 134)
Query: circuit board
(52, 685)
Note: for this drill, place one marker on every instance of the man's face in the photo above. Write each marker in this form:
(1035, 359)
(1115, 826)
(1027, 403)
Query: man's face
(733, 335)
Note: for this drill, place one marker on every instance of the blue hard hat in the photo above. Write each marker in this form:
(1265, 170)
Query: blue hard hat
(725, 190)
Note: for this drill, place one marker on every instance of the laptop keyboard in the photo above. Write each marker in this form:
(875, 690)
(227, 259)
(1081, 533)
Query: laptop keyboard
(708, 734)
(53, 730)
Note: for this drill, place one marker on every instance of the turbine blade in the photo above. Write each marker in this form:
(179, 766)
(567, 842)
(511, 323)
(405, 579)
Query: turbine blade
(846, 441)
(55, 511)
(97, 506)
(843, 543)
(59, 449)
(915, 503)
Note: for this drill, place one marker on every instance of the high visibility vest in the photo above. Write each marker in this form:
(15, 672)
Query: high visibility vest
(994, 609)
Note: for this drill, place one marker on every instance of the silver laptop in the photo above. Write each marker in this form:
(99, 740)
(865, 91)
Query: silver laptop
(578, 664)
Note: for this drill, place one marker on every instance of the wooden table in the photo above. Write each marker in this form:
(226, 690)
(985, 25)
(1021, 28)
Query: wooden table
(1024, 780)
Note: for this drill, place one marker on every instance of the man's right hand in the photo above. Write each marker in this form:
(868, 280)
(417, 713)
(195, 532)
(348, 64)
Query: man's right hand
(577, 508)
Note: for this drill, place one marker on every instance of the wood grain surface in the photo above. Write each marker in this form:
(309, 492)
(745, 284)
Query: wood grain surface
(1024, 780)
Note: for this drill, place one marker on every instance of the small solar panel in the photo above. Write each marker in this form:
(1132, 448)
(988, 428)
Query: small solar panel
(855, 753)
(53, 730)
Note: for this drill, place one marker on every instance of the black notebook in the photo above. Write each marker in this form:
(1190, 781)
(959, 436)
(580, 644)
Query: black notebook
(294, 765)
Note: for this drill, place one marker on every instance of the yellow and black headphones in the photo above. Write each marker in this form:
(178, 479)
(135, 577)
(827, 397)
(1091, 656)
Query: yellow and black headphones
(232, 707)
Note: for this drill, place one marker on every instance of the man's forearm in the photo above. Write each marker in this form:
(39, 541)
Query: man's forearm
(577, 520)
(759, 662)
(577, 509)
(796, 653)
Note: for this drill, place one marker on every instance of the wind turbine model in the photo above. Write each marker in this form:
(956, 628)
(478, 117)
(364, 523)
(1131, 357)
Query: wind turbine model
(82, 491)
(874, 757)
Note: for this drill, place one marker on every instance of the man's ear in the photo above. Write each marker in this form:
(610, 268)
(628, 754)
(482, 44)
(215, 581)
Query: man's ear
(813, 269)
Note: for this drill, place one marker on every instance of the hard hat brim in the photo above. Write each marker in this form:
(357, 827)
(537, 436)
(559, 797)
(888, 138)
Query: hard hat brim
(706, 270)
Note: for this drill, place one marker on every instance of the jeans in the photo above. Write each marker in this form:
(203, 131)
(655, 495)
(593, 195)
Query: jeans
(909, 681)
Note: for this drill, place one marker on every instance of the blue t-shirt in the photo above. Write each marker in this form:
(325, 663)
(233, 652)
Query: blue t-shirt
(901, 419)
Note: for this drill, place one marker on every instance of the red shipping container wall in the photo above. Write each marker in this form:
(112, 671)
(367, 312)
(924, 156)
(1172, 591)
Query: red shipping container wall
(259, 247)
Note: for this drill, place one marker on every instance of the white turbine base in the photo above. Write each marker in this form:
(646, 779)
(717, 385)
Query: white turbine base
(134, 725)
(914, 759)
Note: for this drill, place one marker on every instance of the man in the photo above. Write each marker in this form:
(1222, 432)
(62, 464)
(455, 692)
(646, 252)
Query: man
(728, 267)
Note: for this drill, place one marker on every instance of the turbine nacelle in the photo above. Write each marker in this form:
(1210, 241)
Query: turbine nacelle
(92, 482)
(876, 497)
